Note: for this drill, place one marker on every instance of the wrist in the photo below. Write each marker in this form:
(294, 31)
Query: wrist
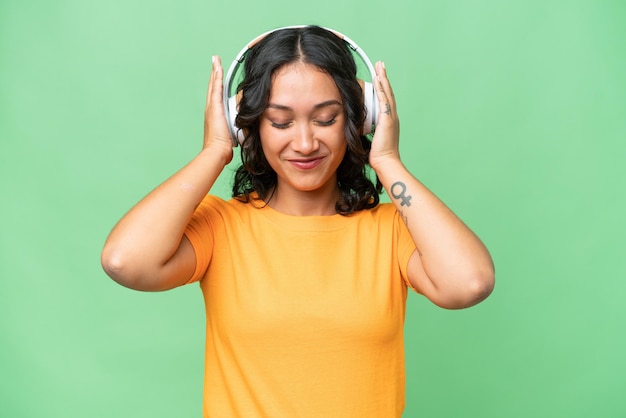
(386, 163)
(217, 154)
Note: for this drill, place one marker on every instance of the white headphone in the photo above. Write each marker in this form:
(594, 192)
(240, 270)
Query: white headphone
(230, 97)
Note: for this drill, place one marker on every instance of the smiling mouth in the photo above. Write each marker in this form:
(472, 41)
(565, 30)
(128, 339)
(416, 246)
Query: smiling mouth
(306, 164)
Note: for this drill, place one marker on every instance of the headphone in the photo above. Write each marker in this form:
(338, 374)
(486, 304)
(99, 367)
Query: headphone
(233, 77)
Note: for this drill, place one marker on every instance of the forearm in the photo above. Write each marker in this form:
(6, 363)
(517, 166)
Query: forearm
(458, 268)
(451, 266)
(146, 238)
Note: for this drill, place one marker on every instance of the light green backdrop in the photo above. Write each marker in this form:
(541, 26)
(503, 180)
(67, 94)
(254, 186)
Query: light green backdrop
(513, 112)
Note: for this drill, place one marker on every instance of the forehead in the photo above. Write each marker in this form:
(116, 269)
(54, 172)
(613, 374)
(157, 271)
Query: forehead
(302, 82)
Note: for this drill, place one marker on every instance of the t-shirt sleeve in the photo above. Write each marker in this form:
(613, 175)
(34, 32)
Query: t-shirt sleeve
(200, 234)
(405, 248)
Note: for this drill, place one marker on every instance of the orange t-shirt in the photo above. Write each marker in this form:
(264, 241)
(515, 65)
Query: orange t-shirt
(305, 315)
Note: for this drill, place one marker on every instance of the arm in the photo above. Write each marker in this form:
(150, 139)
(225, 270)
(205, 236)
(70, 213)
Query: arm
(451, 266)
(147, 250)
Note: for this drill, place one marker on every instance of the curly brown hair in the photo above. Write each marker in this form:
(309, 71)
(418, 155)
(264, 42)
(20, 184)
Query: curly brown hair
(322, 48)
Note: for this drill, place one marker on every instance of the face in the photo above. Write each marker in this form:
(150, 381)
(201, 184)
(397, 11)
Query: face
(302, 129)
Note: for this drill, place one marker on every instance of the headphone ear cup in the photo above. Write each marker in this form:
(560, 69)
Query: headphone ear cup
(371, 108)
(231, 115)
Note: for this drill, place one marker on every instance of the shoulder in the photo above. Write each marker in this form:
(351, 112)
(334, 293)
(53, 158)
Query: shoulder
(217, 203)
(381, 212)
(381, 219)
(385, 209)
(385, 217)
(214, 207)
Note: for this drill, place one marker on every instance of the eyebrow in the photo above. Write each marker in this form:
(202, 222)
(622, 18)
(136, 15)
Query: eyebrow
(331, 102)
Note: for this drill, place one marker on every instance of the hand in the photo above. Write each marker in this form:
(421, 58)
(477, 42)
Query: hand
(387, 135)
(216, 131)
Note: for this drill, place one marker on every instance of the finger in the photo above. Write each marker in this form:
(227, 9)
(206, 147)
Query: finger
(218, 80)
(381, 71)
(211, 82)
(384, 91)
(384, 104)
(214, 91)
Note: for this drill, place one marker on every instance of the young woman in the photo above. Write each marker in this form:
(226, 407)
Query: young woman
(303, 272)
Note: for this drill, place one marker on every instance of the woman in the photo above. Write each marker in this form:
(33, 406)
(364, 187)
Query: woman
(303, 272)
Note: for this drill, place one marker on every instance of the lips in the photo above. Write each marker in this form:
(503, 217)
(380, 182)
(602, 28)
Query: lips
(306, 163)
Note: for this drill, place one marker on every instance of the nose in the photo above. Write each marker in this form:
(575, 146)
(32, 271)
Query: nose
(304, 140)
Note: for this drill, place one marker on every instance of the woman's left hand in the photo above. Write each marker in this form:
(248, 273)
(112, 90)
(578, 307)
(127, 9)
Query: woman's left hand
(385, 143)
(450, 265)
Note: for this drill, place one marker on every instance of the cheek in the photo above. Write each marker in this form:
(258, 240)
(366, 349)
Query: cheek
(265, 135)
(272, 146)
(270, 141)
(263, 132)
(340, 140)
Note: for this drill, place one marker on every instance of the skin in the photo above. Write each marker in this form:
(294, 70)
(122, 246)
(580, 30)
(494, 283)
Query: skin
(302, 134)
(451, 266)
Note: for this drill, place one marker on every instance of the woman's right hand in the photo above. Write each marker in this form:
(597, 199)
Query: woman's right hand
(147, 249)
(216, 131)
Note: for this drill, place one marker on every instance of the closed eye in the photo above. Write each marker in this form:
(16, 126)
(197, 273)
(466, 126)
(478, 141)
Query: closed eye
(280, 125)
(327, 122)
(286, 125)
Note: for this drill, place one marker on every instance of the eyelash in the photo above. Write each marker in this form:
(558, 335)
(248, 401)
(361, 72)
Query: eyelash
(280, 125)
(320, 123)
(328, 122)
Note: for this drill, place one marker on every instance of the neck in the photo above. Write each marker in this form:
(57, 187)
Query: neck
(304, 203)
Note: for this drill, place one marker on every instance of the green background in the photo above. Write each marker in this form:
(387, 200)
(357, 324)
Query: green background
(513, 112)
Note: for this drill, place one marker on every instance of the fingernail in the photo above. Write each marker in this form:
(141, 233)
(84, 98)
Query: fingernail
(213, 59)
(383, 64)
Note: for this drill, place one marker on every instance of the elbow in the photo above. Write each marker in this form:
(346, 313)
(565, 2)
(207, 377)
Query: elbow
(116, 266)
(479, 283)
(480, 287)
(112, 264)
(469, 291)
(136, 271)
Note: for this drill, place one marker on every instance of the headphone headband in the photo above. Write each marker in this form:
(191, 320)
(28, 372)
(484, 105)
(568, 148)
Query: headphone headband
(230, 102)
